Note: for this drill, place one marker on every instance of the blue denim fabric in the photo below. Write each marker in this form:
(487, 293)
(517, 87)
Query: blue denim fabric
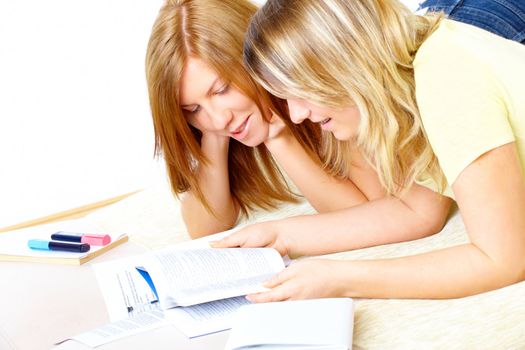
(503, 17)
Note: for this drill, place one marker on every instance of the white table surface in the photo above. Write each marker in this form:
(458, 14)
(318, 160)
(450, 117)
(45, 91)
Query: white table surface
(42, 304)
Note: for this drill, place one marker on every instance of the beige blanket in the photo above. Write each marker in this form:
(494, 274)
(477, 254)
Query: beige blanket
(494, 320)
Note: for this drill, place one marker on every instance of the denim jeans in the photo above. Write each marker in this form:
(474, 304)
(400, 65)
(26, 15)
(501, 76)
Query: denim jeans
(503, 17)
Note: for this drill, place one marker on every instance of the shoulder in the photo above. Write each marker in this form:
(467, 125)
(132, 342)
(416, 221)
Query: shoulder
(460, 92)
(456, 49)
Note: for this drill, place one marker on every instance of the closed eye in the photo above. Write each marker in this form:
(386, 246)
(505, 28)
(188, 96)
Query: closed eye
(193, 110)
(223, 89)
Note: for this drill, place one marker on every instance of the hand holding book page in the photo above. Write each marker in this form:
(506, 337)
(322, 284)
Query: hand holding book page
(127, 293)
(325, 324)
(194, 276)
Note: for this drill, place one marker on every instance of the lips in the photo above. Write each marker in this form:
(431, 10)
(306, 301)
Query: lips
(241, 132)
(240, 128)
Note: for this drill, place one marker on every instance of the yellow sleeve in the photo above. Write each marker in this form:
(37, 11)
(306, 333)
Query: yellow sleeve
(463, 112)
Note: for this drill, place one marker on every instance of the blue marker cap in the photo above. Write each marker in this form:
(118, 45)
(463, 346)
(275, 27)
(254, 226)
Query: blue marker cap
(57, 245)
(38, 244)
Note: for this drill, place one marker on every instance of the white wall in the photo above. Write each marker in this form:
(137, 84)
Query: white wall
(75, 124)
(412, 4)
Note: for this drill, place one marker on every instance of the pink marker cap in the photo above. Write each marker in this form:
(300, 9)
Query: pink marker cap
(94, 239)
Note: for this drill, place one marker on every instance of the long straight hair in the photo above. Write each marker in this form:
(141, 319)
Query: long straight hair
(212, 30)
(341, 53)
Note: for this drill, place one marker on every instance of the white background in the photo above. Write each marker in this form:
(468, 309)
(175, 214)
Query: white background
(75, 124)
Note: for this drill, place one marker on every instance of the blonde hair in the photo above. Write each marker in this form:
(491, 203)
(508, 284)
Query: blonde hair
(212, 30)
(339, 53)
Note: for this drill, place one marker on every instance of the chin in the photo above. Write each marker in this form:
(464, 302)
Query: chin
(343, 136)
(257, 138)
(253, 142)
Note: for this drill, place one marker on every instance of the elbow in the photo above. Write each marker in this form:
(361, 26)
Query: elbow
(436, 225)
(508, 270)
(201, 228)
(511, 260)
(198, 226)
(516, 270)
(202, 221)
(335, 205)
(435, 222)
(197, 232)
(430, 226)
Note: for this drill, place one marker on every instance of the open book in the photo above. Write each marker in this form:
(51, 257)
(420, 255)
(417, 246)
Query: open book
(198, 289)
(314, 324)
(195, 276)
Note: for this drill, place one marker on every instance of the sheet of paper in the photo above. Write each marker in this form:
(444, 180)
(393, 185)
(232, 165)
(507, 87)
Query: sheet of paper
(139, 322)
(305, 324)
(205, 318)
(124, 290)
(15, 242)
(193, 276)
(126, 294)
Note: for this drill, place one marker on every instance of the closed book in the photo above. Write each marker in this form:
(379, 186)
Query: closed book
(14, 244)
(303, 324)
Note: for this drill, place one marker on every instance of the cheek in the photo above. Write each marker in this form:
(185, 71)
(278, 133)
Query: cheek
(201, 123)
(194, 121)
(258, 131)
(259, 122)
(238, 101)
(354, 112)
(263, 128)
(351, 116)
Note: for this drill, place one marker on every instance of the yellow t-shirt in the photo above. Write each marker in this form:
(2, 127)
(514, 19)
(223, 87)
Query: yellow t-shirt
(470, 89)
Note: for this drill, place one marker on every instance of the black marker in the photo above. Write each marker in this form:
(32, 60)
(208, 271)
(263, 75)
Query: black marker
(41, 244)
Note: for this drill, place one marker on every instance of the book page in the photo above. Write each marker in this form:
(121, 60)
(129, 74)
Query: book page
(124, 290)
(110, 332)
(205, 318)
(188, 277)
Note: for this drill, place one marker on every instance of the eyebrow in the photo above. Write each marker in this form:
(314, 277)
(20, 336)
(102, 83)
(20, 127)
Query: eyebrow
(208, 93)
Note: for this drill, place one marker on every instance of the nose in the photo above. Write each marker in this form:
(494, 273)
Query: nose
(221, 118)
(298, 110)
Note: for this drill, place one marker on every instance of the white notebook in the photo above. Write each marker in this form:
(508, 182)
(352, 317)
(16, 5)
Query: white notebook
(303, 324)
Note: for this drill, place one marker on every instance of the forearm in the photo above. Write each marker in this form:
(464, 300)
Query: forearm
(324, 192)
(449, 273)
(214, 184)
(383, 221)
(201, 222)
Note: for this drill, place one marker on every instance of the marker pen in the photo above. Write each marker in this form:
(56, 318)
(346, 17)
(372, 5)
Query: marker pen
(91, 239)
(41, 244)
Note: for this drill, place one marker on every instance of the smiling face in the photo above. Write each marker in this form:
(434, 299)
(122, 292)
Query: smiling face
(343, 123)
(213, 105)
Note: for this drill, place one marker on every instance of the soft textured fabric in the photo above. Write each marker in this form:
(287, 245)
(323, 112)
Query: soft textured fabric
(470, 90)
(493, 320)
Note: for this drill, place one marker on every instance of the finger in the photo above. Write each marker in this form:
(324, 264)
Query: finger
(278, 279)
(236, 239)
(278, 294)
